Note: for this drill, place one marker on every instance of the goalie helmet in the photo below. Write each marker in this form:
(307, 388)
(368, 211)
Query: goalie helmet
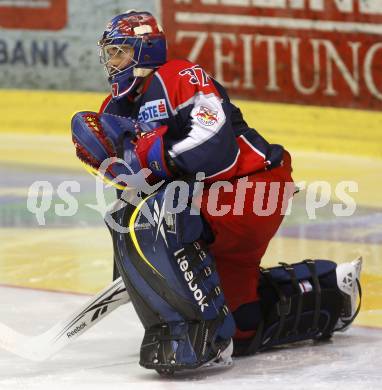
(132, 45)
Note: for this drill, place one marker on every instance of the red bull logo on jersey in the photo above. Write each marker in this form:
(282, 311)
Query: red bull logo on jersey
(207, 116)
(153, 111)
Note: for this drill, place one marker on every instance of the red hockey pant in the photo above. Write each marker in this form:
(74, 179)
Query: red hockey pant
(241, 240)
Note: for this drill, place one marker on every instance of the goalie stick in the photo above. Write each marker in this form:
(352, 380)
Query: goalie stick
(41, 347)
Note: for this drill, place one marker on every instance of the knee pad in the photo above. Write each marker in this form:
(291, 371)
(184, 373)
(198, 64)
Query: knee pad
(299, 302)
(173, 284)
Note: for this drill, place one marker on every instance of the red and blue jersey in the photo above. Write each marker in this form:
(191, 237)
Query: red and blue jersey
(206, 131)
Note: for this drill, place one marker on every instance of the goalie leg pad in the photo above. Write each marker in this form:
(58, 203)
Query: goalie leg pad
(298, 302)
(172, 281)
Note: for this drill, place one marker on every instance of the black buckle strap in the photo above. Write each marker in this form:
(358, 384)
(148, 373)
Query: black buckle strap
(213, 294)
(283, 306)
(200, 246)
(317, 293)
(224, 310)
(195, 253)
(207, 271)
(289, 268)
(215, 323)
(204, 273)
(255, 342)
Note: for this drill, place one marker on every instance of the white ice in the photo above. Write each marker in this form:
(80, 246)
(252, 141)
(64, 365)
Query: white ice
(106, 357)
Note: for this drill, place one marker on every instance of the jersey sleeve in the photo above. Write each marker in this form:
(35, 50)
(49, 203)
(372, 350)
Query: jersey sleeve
(205, 141)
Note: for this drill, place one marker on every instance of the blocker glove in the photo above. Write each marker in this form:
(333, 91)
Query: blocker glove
(151, 153)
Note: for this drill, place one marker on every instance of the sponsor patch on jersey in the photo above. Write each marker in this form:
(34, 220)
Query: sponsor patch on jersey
(152, 111)
(207, 116)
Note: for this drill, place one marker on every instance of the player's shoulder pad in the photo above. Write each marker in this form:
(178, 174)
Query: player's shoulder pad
(175, 66)
(183, 79)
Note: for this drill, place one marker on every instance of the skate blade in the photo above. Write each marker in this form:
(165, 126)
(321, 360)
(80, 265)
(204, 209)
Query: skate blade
(222, 362)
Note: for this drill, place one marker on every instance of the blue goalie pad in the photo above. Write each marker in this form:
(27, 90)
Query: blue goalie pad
(171, 278)
(298, 302)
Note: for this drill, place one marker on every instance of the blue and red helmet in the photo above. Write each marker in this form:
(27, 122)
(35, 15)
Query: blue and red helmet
(132, 45)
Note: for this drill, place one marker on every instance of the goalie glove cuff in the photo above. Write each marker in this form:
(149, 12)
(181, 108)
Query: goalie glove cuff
(151, 153)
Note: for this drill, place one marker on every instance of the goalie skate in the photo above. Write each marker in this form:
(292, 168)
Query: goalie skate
(223, 360)
(220, 362)
(348, 279)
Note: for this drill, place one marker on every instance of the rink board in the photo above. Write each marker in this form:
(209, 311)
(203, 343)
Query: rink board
(297, 127)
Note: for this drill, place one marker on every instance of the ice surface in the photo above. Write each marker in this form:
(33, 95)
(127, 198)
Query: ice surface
(106, 357)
